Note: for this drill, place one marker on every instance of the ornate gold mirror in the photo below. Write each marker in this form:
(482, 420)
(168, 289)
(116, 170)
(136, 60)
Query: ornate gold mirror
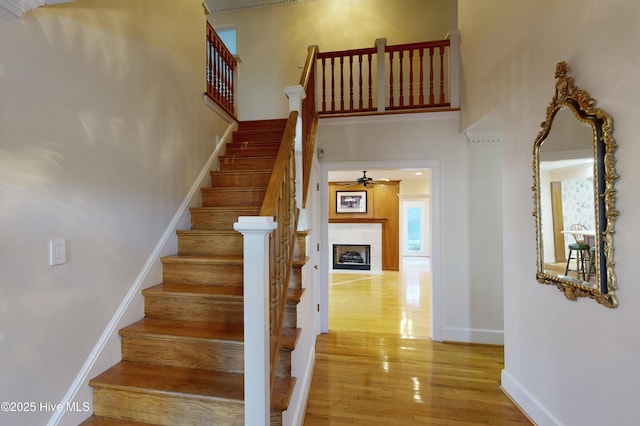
(574, 196)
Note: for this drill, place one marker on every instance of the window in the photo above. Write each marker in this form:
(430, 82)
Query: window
(415, 227)
(228, 37)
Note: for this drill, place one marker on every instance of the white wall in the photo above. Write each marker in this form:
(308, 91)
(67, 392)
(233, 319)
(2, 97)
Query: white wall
(273, 41)
(570, 363)
(102, 133)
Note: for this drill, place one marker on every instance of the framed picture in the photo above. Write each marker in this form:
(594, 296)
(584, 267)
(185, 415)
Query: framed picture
(351, 201)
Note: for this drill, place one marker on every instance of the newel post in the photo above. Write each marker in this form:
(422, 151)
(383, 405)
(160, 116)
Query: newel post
(381, 44)
(257, 370)
(454, 68)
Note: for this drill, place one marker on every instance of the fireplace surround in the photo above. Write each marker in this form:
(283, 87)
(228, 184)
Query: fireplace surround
(354, 234)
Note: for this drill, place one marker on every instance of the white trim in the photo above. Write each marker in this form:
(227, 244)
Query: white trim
(217, 109)
(483, 137)
(255, 235)
(383, 118)
(474, 335)
(295, 415)
(238, 5)
(111, 329)
(532, 408)
(436, 285)
(19, 7)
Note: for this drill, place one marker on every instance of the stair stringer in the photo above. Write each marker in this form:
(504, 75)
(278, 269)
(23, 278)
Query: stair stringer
(303, 357)
(131, 307)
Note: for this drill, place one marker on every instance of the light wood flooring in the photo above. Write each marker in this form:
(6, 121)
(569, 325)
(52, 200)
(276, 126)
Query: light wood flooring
(377, 365)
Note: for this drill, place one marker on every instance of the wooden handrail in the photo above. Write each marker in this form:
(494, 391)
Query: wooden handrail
(309, 117)
(309, 65)
(282, 159)
(280, 203)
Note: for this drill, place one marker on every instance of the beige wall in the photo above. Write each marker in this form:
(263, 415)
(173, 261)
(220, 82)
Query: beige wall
(571, 363)
(102, 133)
(272, 41)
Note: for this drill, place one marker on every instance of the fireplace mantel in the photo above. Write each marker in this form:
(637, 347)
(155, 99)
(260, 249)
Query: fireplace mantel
(359, 220)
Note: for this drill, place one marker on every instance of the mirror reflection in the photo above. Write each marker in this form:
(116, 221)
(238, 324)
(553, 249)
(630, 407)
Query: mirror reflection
(567, 202)
(574, 195)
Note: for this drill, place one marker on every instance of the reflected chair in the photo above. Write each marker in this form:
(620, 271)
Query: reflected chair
(581, 250)
(592, 263)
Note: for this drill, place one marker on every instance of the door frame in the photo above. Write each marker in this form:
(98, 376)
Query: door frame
(436, 291)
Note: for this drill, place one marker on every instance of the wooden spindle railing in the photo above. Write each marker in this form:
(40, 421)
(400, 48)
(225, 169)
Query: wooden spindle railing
(329, 74)
(221, 73)
(406, 68)
(280, 203)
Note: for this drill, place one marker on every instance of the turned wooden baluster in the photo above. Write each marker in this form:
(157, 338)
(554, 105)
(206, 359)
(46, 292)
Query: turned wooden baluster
(421, 99)
(350, 82)
(370, 85)
(391, 79)
(341, 83)
(441, 74)
(411, 77)
(401, 79)
(431, 99)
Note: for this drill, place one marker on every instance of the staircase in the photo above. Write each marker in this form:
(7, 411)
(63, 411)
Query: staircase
(182, 364)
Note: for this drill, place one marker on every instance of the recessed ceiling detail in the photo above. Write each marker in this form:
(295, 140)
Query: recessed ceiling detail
(219, 6)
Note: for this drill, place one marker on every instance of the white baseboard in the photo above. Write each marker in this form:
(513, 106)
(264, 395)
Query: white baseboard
(527, 402)
(473, 335)
(112, 327)
(294, 416)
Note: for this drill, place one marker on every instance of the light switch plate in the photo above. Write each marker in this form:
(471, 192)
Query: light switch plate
(57, 252)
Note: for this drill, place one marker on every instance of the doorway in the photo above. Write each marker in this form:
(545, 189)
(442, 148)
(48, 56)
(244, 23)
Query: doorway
(429, 245)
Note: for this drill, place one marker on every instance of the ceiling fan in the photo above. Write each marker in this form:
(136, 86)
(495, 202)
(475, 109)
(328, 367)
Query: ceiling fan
(364, 180)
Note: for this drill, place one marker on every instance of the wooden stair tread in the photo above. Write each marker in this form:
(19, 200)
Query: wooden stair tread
(187, 290)
(294, 295)
(110, 421)
(201, 384)
(281, 394)
(289, 338)
(299, 260)
(242, 211)
(244, 157)
(268, 135)
(207, 232)
(183, 329)
(241, 172)
(149, 378)
(249, 144)
(234, 188)
(278, 123)
(211, 260)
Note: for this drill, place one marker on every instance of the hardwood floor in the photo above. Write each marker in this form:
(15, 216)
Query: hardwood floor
(377, 366)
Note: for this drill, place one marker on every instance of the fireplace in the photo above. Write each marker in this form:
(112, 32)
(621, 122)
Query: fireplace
(352, 256)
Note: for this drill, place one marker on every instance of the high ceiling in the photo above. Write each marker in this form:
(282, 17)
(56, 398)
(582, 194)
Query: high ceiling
(219, 6)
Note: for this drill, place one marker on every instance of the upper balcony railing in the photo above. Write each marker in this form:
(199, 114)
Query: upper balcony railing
(221, 73)
(387, 78)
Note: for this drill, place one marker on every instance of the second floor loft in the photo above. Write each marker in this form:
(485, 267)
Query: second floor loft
(420, 76)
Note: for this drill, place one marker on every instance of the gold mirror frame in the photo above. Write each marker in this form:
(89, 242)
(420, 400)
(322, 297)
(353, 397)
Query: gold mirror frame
(567, 95)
